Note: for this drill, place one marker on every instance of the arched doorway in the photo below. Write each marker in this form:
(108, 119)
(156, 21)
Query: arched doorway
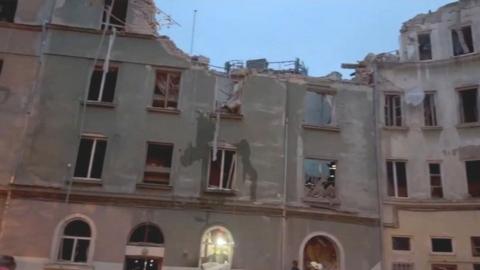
(321, 252)
(145, 248)
(216, 250)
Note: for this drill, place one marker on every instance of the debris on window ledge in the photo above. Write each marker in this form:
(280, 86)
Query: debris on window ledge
(225, 115)
(469, 125)
(163, 110)
(101, 104)
(324, 128)
(427, 128)
(151, 186)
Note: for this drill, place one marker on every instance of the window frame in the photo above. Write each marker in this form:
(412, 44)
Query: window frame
(395, 179)
(433, 108)
(466, 176)
(474, 253)
(459, 90)
(15, 10)
(113, 66)
(429, 33)
(172, 145)
(402, 110)
(439, 163)
(169, 71)
(230, 243)
(222, 147)
(95, 138)
(460, 27)
(322, 91)
(452, 253)
(103, 21)
(326, 160)
(410, 250)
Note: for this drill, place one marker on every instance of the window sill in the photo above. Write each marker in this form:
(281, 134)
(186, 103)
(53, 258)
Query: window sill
(395, 128)
(163, 110)
(432, 128)
(442, 254)
(99, 104)
(154, 186)
(224, 192)
(468, 125)
(321, 202)
(67, 265)
(87, 181)
(321, 128)
(231, 116)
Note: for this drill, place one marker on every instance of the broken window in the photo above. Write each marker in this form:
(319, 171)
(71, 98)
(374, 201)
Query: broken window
(106, 93)
(393, 110)
(7, 10)
(475, 240)
(444, 267)
(469, 105)
(397, 179)
(216, 250)
(222, 169)
(462, 40)
(430, 110)
(319, 178)
(402, 266)
(424, 46)
(91, 154)
(319, 109)
(158, 163)
(436, 190)
(473, 177)
(228, 93)
(401, 243)
(117, 16)
(75, 242)
(167, 88)
(442, 245)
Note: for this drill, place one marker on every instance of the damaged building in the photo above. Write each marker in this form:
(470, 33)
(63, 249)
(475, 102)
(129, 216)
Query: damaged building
(122, 152)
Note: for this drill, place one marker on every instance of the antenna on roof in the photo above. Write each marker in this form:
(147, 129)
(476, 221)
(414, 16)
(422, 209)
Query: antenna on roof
(193, 31)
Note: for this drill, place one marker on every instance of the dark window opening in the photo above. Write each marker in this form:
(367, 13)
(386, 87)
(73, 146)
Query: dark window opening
(222, 170)
(430, 110)
(167, 88)
(402, 266)
(7, 10)
(401, 243)
(105, 94)
(397, 179)
(462, 40)
(147, 233)
(118, 16)
(1, 66)
(424, 47)
(142, 263)
(473, 177)
(319, 178)
(476, 267)
(393, 110)
(436, 189)
(75, 242)
(444, 267)
(90, 159)
(469, 105)
(158, 163)
(442, 245)
(475, 240)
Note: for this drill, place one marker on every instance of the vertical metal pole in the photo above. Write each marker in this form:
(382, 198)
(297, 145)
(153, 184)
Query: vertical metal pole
(192, 42)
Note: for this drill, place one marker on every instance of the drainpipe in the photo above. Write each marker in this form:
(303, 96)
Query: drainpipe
(378, 160)
(285, 162)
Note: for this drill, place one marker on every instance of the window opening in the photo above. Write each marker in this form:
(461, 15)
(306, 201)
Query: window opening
(319, 178)
(393, 110)
(397, 179)
(444, 267)
(158, 163)
(96, 93)
(424, 46)
(401, 243)
(462, 40)
(75, 242)
(167, 88)
(469, 105)
(222, 170)
(216, 249)
(430, 110)
(118, 15)
(436, 189)
(319, 109)
(475, 240)
(228, 93)
(320, 253)
(442, 245)
(8, 8)
(146, 236)
(476, 266)
(402, 266)
(473, 177)
(91, 155)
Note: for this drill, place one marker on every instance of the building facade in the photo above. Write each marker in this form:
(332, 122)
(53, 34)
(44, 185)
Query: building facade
(429, 141)
(123, 152)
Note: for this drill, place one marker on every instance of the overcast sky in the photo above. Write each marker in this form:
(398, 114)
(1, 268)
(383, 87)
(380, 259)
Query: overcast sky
(323, 33)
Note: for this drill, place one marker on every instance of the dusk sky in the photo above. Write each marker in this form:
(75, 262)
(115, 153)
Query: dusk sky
(323, 33)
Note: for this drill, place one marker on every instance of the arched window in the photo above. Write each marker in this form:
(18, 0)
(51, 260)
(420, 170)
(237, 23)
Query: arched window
(216, 248)
(75, 242)
(320, 252)
(145, 248)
